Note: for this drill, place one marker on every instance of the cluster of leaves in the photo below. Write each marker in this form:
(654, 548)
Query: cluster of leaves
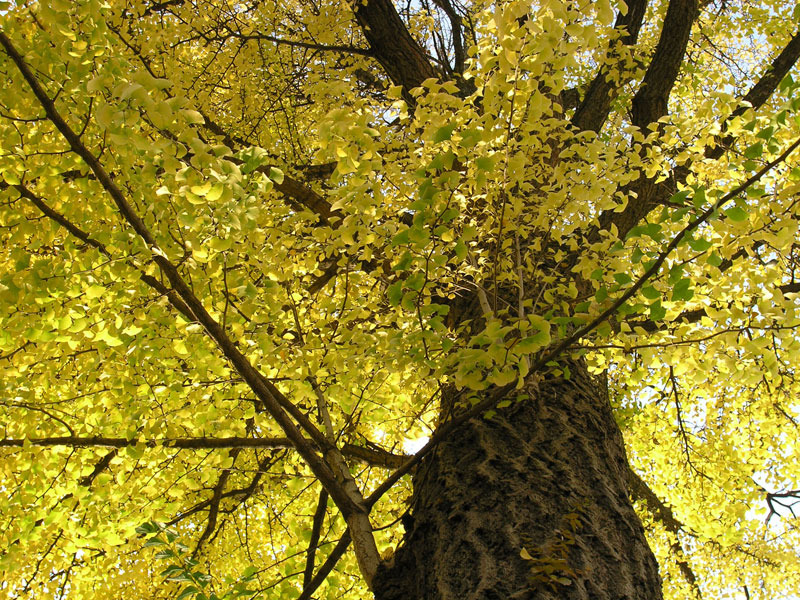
(550, 563)
(183, 571)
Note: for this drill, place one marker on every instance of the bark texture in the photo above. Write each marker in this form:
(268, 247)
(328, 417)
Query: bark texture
(547, 474)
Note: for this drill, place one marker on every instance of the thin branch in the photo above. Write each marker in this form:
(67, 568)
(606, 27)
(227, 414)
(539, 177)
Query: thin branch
(192, 443)
(298, 44)
(90, 241)
(313, 542)
(786, 500)
(333, 558)
(662, 513)
(214, 501)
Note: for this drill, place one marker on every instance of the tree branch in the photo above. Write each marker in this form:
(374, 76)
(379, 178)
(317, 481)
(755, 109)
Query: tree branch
(296, 43)
(650, 194)
(761, 91)
(662, 513)
(404, 60)
(333, 558)
(77, 232)
(298, 195)
(593, 111)
(371, 456)
(327, 468)
(316, 528)
(650, 102)
(213, 505)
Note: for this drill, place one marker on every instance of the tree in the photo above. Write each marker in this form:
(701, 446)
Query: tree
(253, 251)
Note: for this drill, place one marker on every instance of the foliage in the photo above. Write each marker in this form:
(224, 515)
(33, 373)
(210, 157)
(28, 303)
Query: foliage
(241, 260)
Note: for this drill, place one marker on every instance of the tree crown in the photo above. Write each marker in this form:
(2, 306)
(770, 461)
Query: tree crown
(249, 248)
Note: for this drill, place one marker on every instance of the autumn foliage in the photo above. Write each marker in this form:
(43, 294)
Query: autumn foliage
(250, 248)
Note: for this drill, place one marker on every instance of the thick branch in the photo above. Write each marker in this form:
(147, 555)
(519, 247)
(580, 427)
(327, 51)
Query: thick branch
(404, 60)
(593, 111)
(650, 194)
(762, 90)
(650, 102)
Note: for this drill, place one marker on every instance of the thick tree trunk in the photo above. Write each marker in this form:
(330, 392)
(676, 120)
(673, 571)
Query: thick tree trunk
(532, 503)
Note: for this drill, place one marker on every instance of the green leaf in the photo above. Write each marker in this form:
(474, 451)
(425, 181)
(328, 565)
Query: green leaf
(172, 571)
(147, 528)
(461, 250)
(651, 293)
(679, 214)
(766, 133)
(622, 278)
(675, 273)
(700, 245)
(154, 541)
(470, 138)
(395, 293)
(188, 592)
(714, 260)
(276, 175)
(682, 290)
(754, 151)
(249, 572)
(484, 163)
(416, 281)
(444, 133)
(657, 312)
(680, 197)
(404, 262)
(736, 214)
(699, 198)
(401, 238)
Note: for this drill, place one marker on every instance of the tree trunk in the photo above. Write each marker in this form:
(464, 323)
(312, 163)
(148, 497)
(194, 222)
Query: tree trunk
(532, 503)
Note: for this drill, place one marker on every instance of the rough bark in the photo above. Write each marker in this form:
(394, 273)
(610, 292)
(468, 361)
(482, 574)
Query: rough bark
(548, 475)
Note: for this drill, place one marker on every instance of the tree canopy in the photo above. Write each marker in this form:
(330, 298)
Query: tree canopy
(246, 245)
